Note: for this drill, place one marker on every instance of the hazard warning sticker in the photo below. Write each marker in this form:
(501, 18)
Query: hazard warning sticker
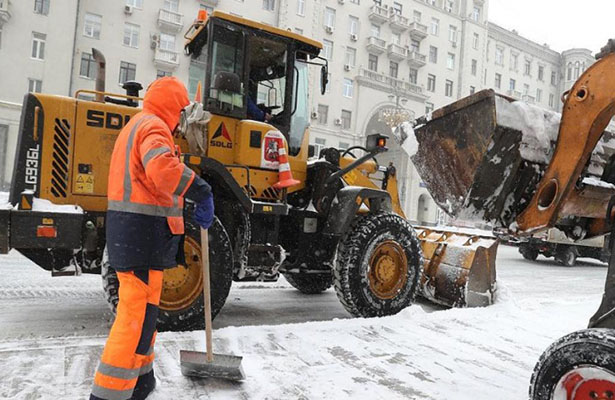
(84, 184)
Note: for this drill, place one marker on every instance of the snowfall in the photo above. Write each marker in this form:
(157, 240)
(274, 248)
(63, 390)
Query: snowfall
(298, 346)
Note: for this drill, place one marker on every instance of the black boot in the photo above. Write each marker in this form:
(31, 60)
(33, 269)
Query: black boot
(145, 385)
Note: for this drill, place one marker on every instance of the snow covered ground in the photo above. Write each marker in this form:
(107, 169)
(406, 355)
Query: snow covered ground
(303, 347)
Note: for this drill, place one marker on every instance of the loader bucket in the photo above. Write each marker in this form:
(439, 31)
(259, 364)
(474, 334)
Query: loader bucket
(459, 268)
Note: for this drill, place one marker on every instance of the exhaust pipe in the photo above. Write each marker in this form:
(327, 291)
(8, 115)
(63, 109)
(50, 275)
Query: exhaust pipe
(100, 76)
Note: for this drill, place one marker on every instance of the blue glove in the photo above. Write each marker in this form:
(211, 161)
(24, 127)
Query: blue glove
(204, 212)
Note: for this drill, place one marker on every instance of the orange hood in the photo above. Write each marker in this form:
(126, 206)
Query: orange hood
(165, 98)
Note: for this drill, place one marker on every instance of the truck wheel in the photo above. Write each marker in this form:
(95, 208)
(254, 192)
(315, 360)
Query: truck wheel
(528, 252)
(378, 266)
(181, 301)
(580, 365)
(566, 256)
(310, 283)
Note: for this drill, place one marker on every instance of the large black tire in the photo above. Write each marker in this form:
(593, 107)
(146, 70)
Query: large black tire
(353, 273)
(191, 316)
(566, 256)
(310, 283)
(528, 252)
(586, 348)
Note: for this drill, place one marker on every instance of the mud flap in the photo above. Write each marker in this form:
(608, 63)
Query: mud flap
(459, 269)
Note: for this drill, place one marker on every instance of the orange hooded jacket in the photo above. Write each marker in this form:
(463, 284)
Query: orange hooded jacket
(147, 182)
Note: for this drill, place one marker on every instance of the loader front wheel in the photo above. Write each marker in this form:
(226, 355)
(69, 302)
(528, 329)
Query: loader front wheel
(580, 365)
(181, 300)
(566, 256)
(310, 283)
(528, 252)
(378, 266)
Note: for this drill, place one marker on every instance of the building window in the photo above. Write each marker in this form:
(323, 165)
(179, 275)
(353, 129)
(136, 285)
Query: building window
(327, 47)
(514, 61)
(528, 67)
(553, 78)
(476, 14)
(428, 107)
(375, 30)
(393, 69)
(92, 25)
(448, 88)
(269, 5)
(319, 145)
(348, 87)
(323, 114)
(396, 38)
(541, 73)
(498, 81)
(431, 83)
(577, 70)
(372, 62)
(450, 61)
(569, 71)
(433, 54)
(449, 5)
(472, 89)
(397, 8)
(452, 34)
(474, 67)
(344, 145)
(353, 25)
(512, 84)
(499, 56)
(135, 3)
(351, 56)
(538, 95)
(131, 35)
(551, 100)
(299, 31)
(35, 86)
(128, 72)
(526, 89)
(38, 45)
(161, 74)
(301, 7)
(330, 17)
(167, 42)
(346, 119)
(171, 5)
(415, 45)
(355, 1)
(88, 66)
(41, 7)
(435, 26)
(417, 16)
(413, 77)
(475, 41)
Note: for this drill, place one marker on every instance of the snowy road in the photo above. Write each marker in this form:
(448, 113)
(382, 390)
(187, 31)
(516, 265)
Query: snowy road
(52, 331)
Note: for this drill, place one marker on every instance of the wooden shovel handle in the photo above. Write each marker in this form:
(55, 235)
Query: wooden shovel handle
(206, 292)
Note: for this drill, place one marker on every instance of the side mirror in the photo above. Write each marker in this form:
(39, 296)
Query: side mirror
(324, 78)
(311, 151)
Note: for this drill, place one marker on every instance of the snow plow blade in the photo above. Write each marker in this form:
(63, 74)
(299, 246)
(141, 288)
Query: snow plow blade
(459, 268)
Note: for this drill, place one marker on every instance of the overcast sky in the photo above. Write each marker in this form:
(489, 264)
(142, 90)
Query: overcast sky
(562, 24)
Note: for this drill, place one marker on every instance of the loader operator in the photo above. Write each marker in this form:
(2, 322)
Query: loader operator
(147, 184)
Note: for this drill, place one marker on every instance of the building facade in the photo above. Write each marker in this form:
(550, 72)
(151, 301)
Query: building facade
(385, 57)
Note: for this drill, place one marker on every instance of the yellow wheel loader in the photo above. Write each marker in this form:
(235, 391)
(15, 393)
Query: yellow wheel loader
(341, 225)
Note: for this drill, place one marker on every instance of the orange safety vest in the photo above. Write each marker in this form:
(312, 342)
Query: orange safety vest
(146, 175)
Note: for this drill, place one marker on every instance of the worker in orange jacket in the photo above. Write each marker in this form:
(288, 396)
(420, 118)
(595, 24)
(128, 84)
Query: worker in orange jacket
(147, 186)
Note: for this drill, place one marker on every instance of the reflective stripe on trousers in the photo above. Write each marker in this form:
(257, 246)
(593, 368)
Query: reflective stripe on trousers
(129, 351)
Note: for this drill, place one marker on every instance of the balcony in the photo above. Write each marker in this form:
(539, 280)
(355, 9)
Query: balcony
(398, 23)
(385, 83)
(515, 94)
(418, 31)
(376, 45)
(416, 59)
(378, 14)
(166, 58)
(170, 20)
(528, 99)
(211, 2)
(5, 11)
(397, 52)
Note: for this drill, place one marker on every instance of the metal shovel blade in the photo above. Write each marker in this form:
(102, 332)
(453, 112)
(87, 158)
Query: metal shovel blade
(223, 366)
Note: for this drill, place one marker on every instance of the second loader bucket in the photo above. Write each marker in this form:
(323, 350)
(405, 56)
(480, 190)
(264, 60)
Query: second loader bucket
(459, 268)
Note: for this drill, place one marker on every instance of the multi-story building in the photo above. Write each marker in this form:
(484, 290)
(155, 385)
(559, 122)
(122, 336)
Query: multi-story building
(385, 58)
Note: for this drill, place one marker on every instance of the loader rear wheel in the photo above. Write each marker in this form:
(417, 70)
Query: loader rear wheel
(578, 366)
(566, 256)
(310, 283)
(528, 252)
(378, 266)
(181, 301)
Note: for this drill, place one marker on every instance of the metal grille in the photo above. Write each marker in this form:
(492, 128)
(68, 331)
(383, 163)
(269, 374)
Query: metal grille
(251, 190)
(271, 193)
(59, 162)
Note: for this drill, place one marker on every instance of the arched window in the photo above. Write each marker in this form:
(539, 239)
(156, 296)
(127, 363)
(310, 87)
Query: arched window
(569, 71)
(577, 69)
(584, 67)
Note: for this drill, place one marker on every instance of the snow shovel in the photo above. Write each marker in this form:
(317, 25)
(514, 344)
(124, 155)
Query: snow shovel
(209, 365)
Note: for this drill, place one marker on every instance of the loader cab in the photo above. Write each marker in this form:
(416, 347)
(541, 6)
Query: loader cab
(243, 61)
